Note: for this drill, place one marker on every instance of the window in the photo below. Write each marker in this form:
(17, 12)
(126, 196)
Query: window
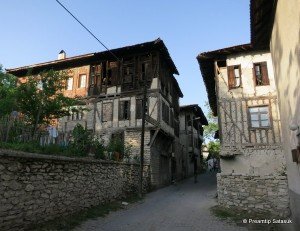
(165, 112)
(146, 70)
(139, 109)
(82, 81)
(107, 112)
(69, 84)
(124, 110)
(128, 73)
(234, 76)
(260, 71)
(259, 117)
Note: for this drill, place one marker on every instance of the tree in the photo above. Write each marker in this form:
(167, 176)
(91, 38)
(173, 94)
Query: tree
(7, 93)
(213, 148)
(213, 145)
(212, 127)
(40, 99)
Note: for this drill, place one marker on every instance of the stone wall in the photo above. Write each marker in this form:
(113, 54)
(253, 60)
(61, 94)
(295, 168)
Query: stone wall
(266, 194)
(35, 188)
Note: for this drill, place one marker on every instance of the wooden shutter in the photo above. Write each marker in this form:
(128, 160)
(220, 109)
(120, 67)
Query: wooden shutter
(121, 110)
(114, 72)
(139, 108)
(264, 72)
(231, 77)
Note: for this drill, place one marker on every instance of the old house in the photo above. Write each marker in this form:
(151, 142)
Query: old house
(112, 91)
(191, 120)
(275, 25)
(242, 93)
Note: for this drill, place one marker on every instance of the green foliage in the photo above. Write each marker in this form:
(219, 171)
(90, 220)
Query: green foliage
(7, 93)
(81, 141)
(98, 148)
(40, 98)
(213, 148)
(212, 127)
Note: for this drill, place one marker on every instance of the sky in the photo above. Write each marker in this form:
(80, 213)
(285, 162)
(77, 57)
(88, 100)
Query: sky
(34, 31)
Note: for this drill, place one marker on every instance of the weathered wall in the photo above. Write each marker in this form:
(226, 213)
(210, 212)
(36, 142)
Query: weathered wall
(285, 49)
(35, 188)
(254, 193)
(254, 155)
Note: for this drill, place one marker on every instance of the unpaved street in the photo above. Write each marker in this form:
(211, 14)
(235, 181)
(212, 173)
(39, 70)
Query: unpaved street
(181, 207)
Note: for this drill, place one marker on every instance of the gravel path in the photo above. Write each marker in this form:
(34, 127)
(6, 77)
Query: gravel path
(181, 207)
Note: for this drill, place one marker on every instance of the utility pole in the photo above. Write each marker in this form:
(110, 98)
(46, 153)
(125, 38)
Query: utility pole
(142, 136)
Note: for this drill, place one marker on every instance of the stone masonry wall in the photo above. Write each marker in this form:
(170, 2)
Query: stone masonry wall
(35, 188)
(266, 194)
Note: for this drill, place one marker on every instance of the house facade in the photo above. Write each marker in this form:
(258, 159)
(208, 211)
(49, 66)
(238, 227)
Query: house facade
(191, 120)
(275, 24)
(112, 91)
(242, 93)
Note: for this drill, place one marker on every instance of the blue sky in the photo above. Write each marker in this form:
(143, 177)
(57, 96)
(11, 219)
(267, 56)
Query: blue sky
(35, 31)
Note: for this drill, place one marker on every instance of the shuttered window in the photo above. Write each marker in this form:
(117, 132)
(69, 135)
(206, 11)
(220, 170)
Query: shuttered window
(260, 71)
(165, 112)
(234, 76)
(139, 108)
(124, 110)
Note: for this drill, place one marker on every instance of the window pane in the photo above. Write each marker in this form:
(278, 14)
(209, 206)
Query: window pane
(265, 123)
(264, 109)
(255, 124)
(237, 82)
(253, 109)
(236, 72)
(70, 84)
(264, 117)
(254, 116)
(82, 79)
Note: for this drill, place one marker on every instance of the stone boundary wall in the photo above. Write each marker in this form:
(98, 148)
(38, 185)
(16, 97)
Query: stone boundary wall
(265, 194)
(35, 188)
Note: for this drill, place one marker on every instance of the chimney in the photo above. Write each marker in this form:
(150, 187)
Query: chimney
(62, 55)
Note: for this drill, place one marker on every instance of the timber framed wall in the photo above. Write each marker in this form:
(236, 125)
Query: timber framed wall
(252, 154)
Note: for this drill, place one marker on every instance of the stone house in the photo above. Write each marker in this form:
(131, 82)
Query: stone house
(242, 93)
(191, 120)
(112, 90)
(275, 25)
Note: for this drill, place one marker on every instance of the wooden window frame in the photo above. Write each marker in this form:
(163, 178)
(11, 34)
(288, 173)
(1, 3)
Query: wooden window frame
(79, 81)
(122, 113)
(259, 117)
(232, 82)
(138, 115)
(265, 80)
(67, 85)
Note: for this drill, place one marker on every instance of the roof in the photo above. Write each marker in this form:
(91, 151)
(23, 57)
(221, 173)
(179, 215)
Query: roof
(177, 87)
(262, 13)
(206, 63)
(197, 111)
(157, 44)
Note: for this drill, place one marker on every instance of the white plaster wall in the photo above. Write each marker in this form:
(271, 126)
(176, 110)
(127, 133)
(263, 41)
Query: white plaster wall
(252, 157)
(285, 48)
(247, 88)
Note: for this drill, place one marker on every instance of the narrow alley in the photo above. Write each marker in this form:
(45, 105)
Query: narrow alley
(182, 207)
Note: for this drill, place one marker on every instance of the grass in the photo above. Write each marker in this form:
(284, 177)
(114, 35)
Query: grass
(71, 221)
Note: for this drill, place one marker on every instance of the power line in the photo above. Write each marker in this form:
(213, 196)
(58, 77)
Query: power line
(87, 29)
